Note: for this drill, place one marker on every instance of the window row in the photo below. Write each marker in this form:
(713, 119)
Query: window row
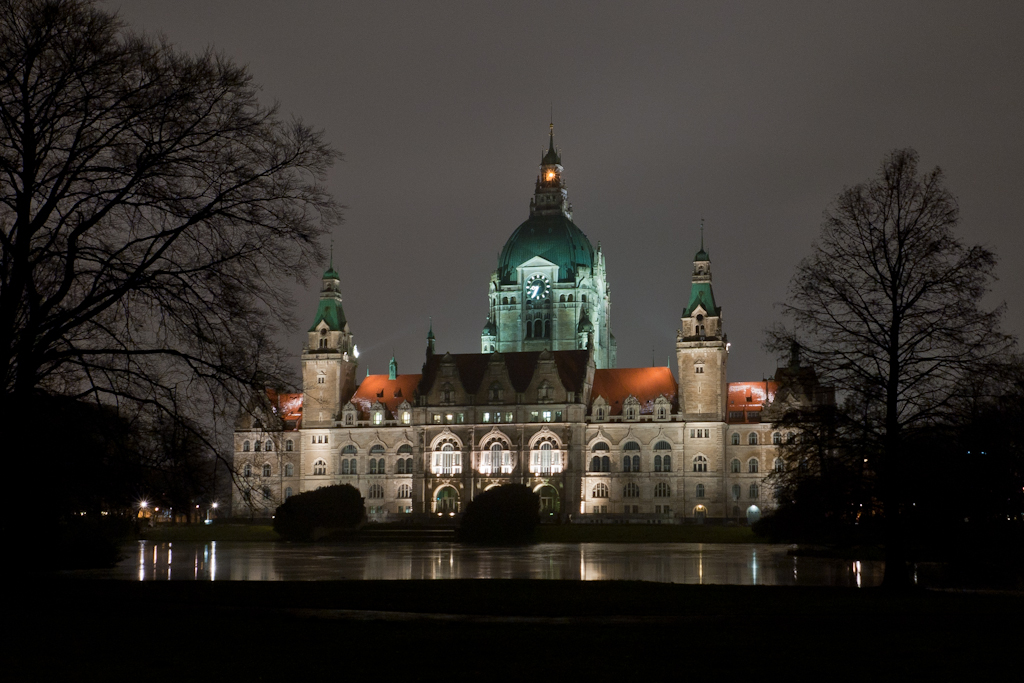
(267, 445)
(601, 446)
(267, 471)
(663, 490)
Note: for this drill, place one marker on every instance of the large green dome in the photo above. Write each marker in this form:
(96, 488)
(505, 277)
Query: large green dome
(555, 238)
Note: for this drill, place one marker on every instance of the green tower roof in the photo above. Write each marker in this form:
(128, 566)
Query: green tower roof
(555, 238)
(701, 294)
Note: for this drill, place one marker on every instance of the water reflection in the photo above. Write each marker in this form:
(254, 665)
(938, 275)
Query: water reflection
(691, 563)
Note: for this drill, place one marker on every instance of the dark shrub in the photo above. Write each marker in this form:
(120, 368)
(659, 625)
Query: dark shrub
(315, 513)
(505, 514)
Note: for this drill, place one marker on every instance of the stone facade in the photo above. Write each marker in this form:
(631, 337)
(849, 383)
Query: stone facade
(541, 405)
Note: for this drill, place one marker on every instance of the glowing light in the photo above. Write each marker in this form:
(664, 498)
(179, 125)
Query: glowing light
(355, 351)
(551, 175)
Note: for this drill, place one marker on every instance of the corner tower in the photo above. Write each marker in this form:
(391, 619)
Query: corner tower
(550, 280)
(702, 348)
(328, 358)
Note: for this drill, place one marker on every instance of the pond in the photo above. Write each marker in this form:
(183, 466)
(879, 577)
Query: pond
(688, 563)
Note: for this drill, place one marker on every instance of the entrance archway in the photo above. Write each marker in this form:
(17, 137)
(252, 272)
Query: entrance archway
(753, 514)
(549, 503)
(446, 500)
(700, 514)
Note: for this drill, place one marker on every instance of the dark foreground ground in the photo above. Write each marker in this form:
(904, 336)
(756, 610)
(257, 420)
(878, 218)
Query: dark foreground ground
(500, 630)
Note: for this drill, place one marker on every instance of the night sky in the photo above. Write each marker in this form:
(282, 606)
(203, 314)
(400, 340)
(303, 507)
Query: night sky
(752, 115)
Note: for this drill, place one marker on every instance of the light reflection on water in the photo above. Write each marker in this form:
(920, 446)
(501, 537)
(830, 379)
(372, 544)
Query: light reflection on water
(691, 563)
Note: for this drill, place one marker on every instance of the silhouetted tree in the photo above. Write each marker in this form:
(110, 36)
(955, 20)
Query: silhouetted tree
(313, 514)
(888, 308)
(503, 514)
(149, 207)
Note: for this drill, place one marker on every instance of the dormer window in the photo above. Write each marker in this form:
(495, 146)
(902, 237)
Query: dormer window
(544, 393)
(494, 394)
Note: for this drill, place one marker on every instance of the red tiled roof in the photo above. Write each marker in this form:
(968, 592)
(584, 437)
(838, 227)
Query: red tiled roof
(644, 384)
(750, 396)
(390, 392)
(287, 406)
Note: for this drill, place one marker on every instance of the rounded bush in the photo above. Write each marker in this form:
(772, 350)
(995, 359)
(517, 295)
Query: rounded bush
(504, 514)
(316, 513)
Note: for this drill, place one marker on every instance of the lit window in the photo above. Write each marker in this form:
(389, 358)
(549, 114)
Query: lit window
(547, 416)
(406, 417)
(378, 417)
(404, 491)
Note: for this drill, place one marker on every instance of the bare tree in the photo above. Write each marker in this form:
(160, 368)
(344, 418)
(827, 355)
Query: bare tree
(150, 207)
(889, 308)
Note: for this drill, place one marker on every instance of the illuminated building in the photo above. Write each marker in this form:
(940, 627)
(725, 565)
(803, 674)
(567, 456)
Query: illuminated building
(542, 404)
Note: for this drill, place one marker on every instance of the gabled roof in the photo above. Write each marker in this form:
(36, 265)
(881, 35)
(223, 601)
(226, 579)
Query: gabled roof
(331, 312)
(701, 294)
(471, 368)
(615, 385)
(390, 392)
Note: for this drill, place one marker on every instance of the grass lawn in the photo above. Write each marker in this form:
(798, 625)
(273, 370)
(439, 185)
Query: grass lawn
(417, 630)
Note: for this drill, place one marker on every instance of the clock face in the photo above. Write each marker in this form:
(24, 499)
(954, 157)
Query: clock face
(538, 287)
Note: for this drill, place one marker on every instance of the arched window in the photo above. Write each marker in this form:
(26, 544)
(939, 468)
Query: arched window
(400, 466)
(606, 464)
(245, 446)
(752, 465)
(595, 464)
(504, 301)
(344, 466)
(627, 463)
(247, 470)
(352, 467)
(289, 445)
(631, 490)
(380, 465)
(266, 469)
(667, 464)
(663, 446)
(735, 491)
(404, 491)
(570, 298)
(377, 450)
(405, 449)
(561, 299)
(662, 490)
(348, 450)
(599, 446)
(288, 493)
(289, 470)
(320, 467)
(753, 491)
(636, 463)
(777, 438)
(657, 463)
(700, 490)
(790, 437)
(376, 491)
(631, 446)
(269, 445)
(752, 439)
(600, 491)
(583, 298)
(735, 438)
(494, 393)
(779, 466)
(446, 460)
(734, 466)
(700, 463)
(373, 465)
(257, 446)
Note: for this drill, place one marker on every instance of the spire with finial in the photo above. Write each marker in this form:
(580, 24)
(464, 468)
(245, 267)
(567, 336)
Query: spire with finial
(702, 255)
(430, 338)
